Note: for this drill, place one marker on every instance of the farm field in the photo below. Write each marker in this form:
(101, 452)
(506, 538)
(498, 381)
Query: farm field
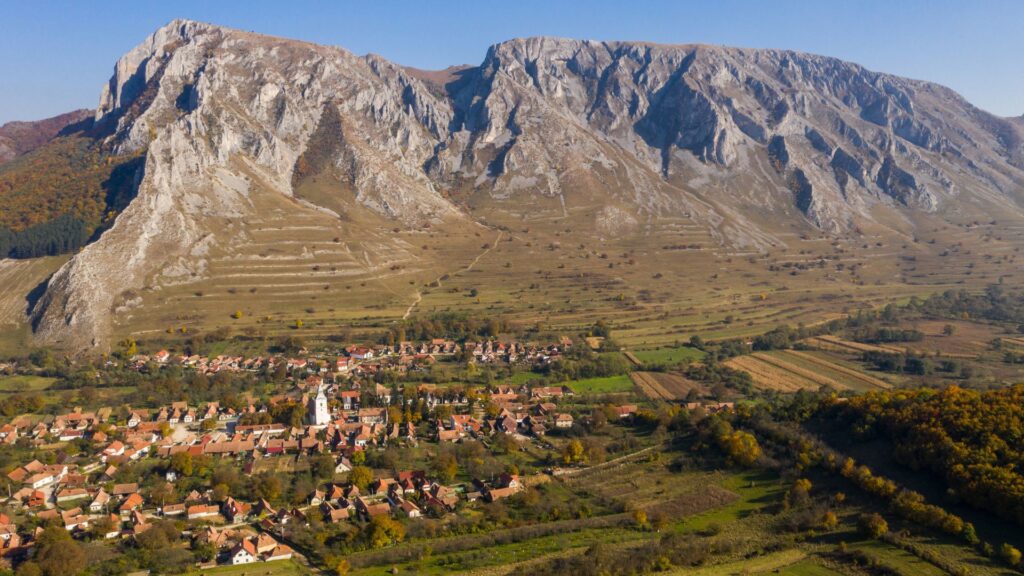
(604, 385)
(668, 355)
(664, 385)
(791, 370)
(832, 368)
(769, 375)
(836, 344)
(23, 384)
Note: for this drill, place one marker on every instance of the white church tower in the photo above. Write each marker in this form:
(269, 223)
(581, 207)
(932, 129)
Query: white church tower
(317, 412)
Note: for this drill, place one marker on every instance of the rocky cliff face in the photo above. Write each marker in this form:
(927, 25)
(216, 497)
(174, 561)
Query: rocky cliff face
(727, 137)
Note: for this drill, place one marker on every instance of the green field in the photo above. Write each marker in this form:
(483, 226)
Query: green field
(604, 385)
(807, 568)
(22, 384)
(668, 355)
(756, 490)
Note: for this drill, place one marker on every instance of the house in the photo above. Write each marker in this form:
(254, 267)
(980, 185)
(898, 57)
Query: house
(69, 494)
(372, 510)
(281, 552)
(36, 475)
(626, 410)
(344, 465)
(409, 508)
(349, 399)
(132, 502)
(202, 511)
(563, 421)
(173, 509)
(235, 511)
(99, 502)
(125, 489)
(373, 415)
(265, 543)
(359, 352)
(243, 553)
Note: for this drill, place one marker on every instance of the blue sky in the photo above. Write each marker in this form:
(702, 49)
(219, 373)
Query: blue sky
(56, 55)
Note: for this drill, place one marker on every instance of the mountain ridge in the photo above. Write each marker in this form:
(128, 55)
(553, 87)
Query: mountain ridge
(18, 137)
(744, 144)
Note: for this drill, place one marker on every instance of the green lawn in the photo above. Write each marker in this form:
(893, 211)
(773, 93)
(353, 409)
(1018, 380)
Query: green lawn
(520, 378)
(756, 490)
(807, 567)
(604, 385)
(22, 384)
(668, 355)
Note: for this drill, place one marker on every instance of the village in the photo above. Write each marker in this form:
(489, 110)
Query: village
(336, 415)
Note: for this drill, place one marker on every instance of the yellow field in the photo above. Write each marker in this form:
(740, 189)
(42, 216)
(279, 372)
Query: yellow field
(792, 370)
(772, 374)
(837, 344)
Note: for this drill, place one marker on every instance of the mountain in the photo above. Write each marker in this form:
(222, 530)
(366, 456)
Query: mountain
(270, 161)
(19, 138)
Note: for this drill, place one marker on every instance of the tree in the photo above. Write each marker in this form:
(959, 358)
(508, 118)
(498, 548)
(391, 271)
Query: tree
(382, 530)
(129, 347)
(830, 521)
(640, 518)
(949, 329)
(220, 492)
(181, 462)
(445, 466)
(322, 466)
(872, 525)
(1009, 554)
(573, 452)
(741, 447)
(268, 486)
(360, 476)
(57, 554)
(236, 314)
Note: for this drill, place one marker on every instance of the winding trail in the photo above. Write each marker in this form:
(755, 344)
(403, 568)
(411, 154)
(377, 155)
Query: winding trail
(419, 293)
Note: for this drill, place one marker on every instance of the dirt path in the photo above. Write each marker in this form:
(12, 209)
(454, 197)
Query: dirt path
(419, 293)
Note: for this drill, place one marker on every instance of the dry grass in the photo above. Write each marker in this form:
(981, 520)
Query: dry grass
(770, 374)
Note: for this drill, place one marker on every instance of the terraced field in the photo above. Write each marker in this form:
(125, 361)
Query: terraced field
(664, 385)
(837, 344)
(290, 265)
